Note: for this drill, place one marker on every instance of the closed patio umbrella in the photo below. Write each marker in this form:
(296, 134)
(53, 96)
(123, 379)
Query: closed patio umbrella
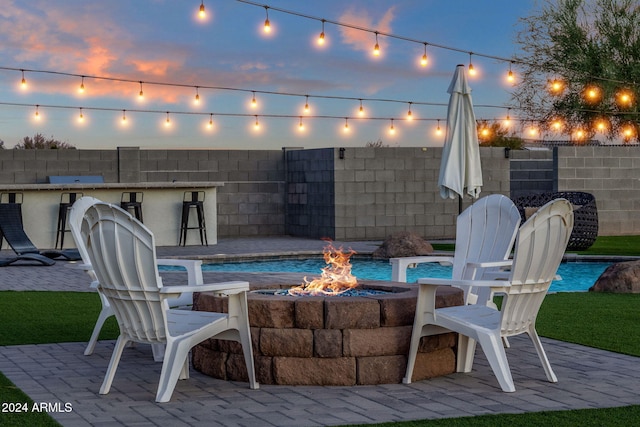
(460, 169)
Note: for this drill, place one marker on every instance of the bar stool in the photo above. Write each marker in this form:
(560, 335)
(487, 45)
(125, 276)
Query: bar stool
(193, 200)
(66, 201)
(11, 198)
(132, 201)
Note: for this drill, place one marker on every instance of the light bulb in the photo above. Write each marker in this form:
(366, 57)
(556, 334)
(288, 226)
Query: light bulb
(306, 106)
(507, 121)
(438, 129)
(23, 83)
(202, 14)
(37, 114)
(510, 76)
(301, 126)
(254, 101)
(196, 100)
(376, 48)
(123, 121)
(409, 113)
(267, 24)
(167, 122)
(472, 71)
(424, 60)
(345, 129)
(256, 126)
(81, 88)
(81, 117)
(141, 94)
(392, 130)
(361, 110)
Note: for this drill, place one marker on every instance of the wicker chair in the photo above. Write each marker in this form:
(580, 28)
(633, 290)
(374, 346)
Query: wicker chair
(585, 229)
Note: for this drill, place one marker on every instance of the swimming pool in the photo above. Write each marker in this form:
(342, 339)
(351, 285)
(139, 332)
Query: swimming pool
(576, 276)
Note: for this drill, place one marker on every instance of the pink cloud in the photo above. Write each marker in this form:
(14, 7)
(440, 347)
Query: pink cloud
(364, 40)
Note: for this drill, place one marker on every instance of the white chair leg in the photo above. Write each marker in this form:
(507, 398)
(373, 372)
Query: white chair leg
(551, 376)
(466, 353)
(172, 368)
(105, 313)
(113, 364)
(244, 331)
(497, 358)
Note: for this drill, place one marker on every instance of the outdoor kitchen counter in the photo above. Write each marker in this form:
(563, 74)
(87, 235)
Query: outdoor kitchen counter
(161, 206)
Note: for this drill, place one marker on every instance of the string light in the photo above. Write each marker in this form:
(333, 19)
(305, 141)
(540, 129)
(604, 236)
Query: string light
(196, 100)
(23, 83)
(602, 125)
(625, 99)
(556, 86)
(438, 129)
(507, 121)
(321, 36)
(557, 125)
(37, 114)
(345, 129)
(201, 13)
(256, 126)
(424, 60)
(267, 24)
(409, 113)
(81, 88)
(81, 116)
(301, 125)
(123, 121)
(592, 94)
(392, 130)
(361, 112)
(210, 124)
(472, 71)
(167, 122)
(510, 77)
(306, 105)
(141, 94)
(376, 48)
(254, 101)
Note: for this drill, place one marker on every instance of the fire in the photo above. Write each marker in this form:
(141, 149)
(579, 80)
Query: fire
(336, 277)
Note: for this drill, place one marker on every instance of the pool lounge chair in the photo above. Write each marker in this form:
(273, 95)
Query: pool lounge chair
(12, 230)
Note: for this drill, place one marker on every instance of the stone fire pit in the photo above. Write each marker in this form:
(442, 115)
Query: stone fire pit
(329, 340)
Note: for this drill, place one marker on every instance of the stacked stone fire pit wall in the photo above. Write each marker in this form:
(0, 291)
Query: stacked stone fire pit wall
(329, 340)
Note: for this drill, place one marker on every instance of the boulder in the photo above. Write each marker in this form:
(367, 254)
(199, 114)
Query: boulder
(622, 277)
(403, 244)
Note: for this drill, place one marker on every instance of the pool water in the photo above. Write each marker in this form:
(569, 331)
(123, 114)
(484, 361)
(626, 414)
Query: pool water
(576, 276)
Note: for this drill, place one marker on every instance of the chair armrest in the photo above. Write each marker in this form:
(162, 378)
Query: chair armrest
(399, 265)
(193, 267)
(502, 263)
(225, 288)
(494, 284)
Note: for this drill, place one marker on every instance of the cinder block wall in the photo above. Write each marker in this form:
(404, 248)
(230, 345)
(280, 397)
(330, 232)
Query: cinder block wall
(380, 191)
(251, 203)
(612, 175)
(310, 194)
(532, 171)
(34, 166)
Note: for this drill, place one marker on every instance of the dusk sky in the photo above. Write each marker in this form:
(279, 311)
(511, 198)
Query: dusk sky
(226, 57)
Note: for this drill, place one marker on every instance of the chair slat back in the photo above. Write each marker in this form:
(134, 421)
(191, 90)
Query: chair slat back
(122, 254)
(540, 245)
(76, 215)
(485, 232)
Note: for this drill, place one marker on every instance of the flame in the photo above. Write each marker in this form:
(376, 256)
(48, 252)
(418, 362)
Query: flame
(336, 277)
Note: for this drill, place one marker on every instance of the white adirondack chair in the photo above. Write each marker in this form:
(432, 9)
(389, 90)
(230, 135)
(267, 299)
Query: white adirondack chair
(193, 268)
(122, 253)
(485, 231)
(539, 248)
